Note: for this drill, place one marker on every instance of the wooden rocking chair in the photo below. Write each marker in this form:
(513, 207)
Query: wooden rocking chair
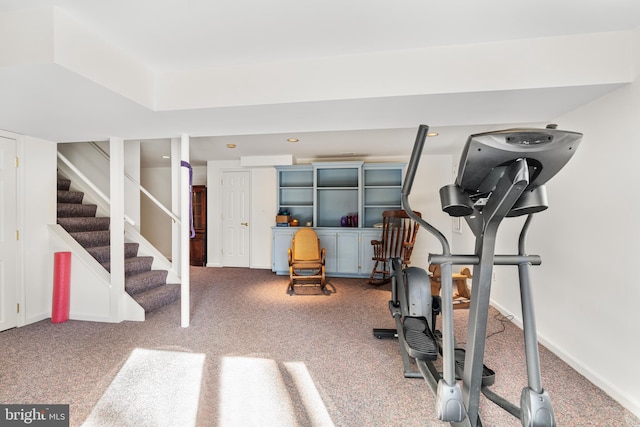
(398, 237)
(306, 260)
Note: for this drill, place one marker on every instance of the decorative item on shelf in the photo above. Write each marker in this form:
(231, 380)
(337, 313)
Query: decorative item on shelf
(283, 218)
(350, 220)
(295, 222)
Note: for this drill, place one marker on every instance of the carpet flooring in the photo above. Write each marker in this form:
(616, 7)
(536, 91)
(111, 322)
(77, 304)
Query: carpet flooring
(154, 388)
(272, 359)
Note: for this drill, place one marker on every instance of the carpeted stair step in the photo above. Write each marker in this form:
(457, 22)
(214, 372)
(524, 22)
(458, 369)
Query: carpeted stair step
(91, 239)
(63, 183)
(103, 253)
(158, 297)
(67, 210)
(70, 196)
(144, 281)
(133, 265)
(75, 224)
(147, 287)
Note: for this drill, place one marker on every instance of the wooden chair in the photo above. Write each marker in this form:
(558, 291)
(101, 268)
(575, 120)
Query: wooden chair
(306, 260)
(397, 240)
(461, 295)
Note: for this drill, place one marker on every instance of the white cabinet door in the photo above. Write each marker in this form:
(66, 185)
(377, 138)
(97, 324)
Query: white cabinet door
(342, 248)
(347, 245)
(281, 244)
(328, 241)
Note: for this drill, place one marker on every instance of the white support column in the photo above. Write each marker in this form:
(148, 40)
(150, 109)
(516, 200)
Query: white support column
(185, 221)
(176, 177)
(116, 196)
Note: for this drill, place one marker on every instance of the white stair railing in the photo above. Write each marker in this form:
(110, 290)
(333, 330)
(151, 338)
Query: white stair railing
(91, 185)
(106, 201)
(139, 186)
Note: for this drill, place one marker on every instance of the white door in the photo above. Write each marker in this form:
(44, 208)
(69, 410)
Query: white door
(8, 241)
(236, 209)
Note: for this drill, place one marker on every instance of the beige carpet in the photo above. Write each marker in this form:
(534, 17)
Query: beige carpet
(333, 369)
(153, 388)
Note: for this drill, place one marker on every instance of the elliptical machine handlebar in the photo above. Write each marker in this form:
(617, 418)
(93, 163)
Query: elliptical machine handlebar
(412, 168)
(449, 404)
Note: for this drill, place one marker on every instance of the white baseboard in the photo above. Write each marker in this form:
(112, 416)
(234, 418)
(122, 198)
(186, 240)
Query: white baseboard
(601, 383)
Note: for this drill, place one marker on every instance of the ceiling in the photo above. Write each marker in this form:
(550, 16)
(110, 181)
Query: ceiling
(174, 35)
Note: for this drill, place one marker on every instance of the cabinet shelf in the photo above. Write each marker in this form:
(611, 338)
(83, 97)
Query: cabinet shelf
(295, 192)
(382, 176)
(296, 177)
(324, 192)
(382, 191)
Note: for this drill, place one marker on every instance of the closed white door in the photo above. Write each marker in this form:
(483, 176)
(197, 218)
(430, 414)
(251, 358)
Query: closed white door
(236, 210)
(8, 239)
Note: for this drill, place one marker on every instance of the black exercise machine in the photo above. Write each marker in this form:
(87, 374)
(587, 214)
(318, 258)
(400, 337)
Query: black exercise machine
(501, 174)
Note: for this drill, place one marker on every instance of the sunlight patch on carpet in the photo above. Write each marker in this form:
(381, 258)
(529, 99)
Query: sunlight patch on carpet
(313, 404)
(253, 393)
(153, 388)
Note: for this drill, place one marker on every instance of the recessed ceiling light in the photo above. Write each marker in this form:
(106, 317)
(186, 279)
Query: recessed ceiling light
(231, 145)
(432, 134)
(292, 140)
(166, 157)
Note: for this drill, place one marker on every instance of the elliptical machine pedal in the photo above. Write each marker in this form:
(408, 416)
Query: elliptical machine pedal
(420, 342)
(488, 375)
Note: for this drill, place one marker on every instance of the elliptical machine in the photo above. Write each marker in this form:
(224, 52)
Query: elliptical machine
(501, 174)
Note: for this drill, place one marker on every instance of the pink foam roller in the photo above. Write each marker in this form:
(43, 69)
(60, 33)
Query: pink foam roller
(61, 286)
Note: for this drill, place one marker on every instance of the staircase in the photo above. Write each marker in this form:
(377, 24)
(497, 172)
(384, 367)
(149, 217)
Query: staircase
(147, 287)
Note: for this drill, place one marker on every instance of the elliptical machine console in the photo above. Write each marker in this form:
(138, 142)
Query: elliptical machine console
(501, 174)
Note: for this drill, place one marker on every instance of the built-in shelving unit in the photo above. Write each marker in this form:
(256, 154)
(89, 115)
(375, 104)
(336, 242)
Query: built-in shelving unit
(382, 191)
(296, 192)
(325, 192)
(337, 192)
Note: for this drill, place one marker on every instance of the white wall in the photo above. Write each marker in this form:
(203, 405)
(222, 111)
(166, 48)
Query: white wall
(38, 174)
(263, 210)
(587, 290)
(434, 172)
(131, 191)
(155, 225)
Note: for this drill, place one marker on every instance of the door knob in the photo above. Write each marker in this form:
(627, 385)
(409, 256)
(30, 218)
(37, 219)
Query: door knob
(246, 224)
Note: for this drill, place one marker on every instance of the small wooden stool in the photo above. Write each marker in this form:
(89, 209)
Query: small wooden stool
(461, 298)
